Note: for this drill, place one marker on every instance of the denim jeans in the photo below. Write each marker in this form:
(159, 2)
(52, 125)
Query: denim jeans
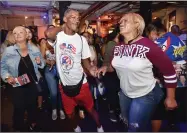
(52, 83)
(136, 112)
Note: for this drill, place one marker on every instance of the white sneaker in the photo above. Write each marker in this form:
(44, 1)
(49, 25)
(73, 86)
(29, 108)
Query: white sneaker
(62, 115)
(77, 129)
(100, 130)
(54, 114)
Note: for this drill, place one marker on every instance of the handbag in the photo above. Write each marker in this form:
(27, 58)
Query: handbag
(73, 90)
(37, 83)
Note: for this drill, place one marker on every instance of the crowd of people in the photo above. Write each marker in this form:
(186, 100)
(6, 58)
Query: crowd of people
(141, 73)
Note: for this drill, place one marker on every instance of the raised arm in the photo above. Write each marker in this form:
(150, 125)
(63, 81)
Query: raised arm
(52, 32)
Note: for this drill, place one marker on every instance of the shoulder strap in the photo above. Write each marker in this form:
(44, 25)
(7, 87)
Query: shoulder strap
(26, 66)
(82, 44)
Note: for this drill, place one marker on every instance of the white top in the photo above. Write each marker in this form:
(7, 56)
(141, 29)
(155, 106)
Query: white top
(93, 54)
(69, 52)
(49, 55)
(133, 64)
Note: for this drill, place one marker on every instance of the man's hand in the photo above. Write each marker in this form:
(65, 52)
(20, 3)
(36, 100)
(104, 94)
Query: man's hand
(102, 70)
(52, 63)
(52, 32)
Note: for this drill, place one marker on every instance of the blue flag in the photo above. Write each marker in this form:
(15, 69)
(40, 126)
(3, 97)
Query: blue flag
(172, 46)
(176, 50)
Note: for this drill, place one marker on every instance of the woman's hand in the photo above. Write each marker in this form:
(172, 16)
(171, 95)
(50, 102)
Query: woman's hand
(52, 63)
(11, 80)
(38, 61)
(102, 70)
(170, 103)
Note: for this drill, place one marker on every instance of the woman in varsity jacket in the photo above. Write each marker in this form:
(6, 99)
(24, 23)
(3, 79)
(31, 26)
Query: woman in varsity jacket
(133, 61)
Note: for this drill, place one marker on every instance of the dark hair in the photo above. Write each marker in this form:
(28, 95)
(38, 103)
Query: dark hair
(33, 39)
(113, 35)
(149, 29)
(41, 40)
(175, 29)
(158, 24)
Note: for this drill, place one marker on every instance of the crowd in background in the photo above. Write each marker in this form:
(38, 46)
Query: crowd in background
(169, 69)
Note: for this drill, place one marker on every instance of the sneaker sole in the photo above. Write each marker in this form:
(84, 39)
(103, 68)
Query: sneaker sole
(62, 118)
(113, 120)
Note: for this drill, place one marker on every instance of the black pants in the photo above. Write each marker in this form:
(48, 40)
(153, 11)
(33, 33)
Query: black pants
(176, 115)
(112, 85)
(24, 99)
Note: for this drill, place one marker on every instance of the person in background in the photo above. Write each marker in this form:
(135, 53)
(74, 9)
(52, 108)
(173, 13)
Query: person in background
(13, 65)
(151, 32)
(89, 39)
(175, 30)
(111, 81)
(93, 62)
(50, 73)
(32, 41)
(175, 50)
(98, 44)
(9, 41)
(133, 61)
(31, 38)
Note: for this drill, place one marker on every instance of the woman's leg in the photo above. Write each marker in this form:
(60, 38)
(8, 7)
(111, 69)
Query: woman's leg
(17, 97)
(125, 104)
(142, 108)
(31, 95)
(52, 85)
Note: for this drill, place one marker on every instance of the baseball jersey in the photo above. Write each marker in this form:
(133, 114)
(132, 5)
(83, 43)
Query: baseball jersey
(134, 63)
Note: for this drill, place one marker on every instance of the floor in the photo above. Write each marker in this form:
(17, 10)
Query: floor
(86, 124)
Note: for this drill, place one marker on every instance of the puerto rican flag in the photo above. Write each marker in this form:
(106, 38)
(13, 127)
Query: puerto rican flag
(172, 46)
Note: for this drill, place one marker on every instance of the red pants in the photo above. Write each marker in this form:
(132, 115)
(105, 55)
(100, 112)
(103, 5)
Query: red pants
(84, 98)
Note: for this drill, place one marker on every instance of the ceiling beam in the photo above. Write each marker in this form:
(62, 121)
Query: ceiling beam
(107, 8)
(118, 7)
(125, 6)
(93, 8)
(6, 6)
(159, 6)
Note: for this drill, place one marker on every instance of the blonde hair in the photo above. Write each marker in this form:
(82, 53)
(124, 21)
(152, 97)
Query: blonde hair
(19, 27)
(10, 37)
(90, 37)
(137, 19)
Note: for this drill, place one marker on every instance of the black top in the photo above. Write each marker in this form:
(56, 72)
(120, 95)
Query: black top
(22, 69)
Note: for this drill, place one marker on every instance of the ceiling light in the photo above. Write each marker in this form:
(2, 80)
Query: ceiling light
(26, 17)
